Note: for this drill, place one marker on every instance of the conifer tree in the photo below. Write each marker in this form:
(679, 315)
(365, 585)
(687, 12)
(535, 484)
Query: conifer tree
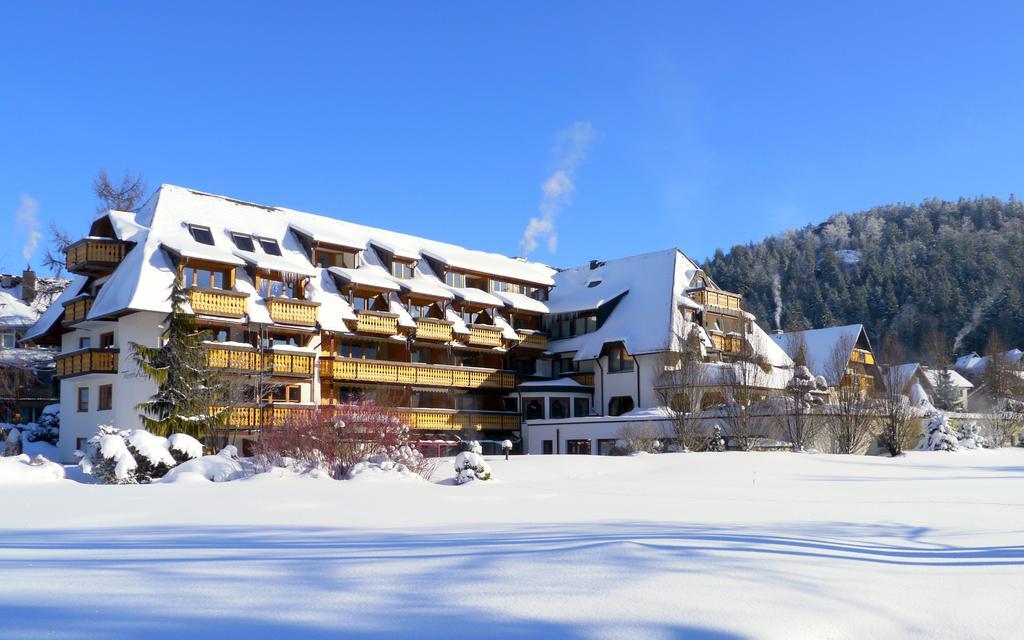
(187, 388)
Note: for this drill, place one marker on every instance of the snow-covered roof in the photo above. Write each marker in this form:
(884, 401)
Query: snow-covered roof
(820, 344)
(475, 296)
(17, 312)
(425, 286)
(143, 279)
(53, 313)
(974, 365)
(957, 380)
(646, 319)
(521, 302)
(14, 312)
(371, 276)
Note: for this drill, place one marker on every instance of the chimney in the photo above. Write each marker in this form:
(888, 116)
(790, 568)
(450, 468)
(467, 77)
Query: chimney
(778, 332)
(28, 285)
(594, 264)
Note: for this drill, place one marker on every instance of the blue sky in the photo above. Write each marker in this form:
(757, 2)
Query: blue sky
(698, 125)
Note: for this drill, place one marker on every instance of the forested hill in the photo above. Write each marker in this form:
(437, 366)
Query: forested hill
(901, 270)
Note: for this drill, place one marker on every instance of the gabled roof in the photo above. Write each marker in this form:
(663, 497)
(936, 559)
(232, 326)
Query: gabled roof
(935, 375)
(821, 343)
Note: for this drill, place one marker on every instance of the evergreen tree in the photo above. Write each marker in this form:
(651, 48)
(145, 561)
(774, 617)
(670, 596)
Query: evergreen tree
(187, 389)
(946, 395)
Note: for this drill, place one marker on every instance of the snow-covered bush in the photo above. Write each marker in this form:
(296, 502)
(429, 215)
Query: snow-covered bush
(48, 427)
(470, 466)
(335, 439)
(636, 439)
(12, 442)
(939, 434)
(22, 470)
(968, 435)
(506, 445)
(716, 442)
(223, 467)
(131, 456)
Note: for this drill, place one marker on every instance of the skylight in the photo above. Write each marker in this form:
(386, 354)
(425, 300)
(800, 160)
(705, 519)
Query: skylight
(243, 241)
(201, 234)
(270, 246)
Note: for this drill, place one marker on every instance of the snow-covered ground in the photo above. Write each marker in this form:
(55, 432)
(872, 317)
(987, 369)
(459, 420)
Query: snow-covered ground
(731, 545)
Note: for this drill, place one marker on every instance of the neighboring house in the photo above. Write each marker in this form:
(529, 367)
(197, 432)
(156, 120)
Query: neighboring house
(28, 383)
(842, 355)
(921, 384)
(303, 309)
(973, 365)
(619, 325)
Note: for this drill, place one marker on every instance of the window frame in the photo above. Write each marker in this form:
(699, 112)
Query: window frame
(237, 236)
(560, 400)
(200, 233)
(82, 399)
(105, 397)
(576, 405)
(271, 242)
(619, 360)
(528, 404)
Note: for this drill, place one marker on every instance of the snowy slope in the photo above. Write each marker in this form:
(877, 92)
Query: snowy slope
(723, 546)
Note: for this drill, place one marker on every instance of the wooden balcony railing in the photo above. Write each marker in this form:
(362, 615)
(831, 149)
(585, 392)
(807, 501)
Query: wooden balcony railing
(729, 344)
(218, 302)
(720, 299)
(87, 361)
(76, 310)
(245, 360)
(483, 335)
(377, 322)
(586, 379)
(250, 417)
(293, 311)
(533, 340)
(863, 356)
(430, 329)
(415, 373)
(94, 255)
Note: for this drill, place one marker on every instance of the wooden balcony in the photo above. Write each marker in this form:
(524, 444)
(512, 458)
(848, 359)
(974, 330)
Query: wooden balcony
(94, 256)
(728, 344)
(430, 329)
(87, 361)
(302, 313)
(586, 379)
(218, 302)
(377, 322)
(863, 356)
(722, 300)
(251, 417)
(233, 358)
(532, 340)
(76, 310)
(353, 369)
(484, 335)
(289, 364)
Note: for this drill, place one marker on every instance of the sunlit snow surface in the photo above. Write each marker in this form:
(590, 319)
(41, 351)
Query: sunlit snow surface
(703, 545)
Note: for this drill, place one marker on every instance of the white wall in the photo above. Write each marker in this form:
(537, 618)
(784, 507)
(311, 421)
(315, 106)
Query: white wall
(592, 429)
(609, 385)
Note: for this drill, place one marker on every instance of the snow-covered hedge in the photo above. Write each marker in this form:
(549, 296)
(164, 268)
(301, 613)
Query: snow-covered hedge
(134, 456)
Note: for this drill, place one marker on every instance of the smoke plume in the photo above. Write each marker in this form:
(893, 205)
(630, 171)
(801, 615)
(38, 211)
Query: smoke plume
(975, 319)
(25, 222)
(571, 147)
(777, 294)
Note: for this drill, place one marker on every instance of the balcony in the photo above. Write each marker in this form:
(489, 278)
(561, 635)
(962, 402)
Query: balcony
(94, 256)
(218, 302)
(863, 356)
(447, 420)
(251, 416)
(533, 340)
(76, 310)
(728, 344)
(430, 329)
(87, 361)
(302, 313)
(377, 322)
(289, 364)
(484, 335)
(586, 379)
(723, 300)
(351, 369)
(233, 358)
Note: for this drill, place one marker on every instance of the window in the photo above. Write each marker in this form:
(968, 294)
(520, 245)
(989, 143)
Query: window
(419, 311)
(620, 405)
(206, 278)
(619, 360)
(580, 407)
(563, 364)
(401, 270)
(276, 288)
(287, 393)
(577, 447)
(243, 241)
(605, 446)
(534, 408)
(326, 259)
(107, 340)
(471, 317)
(84, 342)
(559, 408)
(83, 399)
(476, 282)
(7, 339)
(80, 443)
(270, 246)
(202, 235)
(548, 447)
(510, 404)
(455, 279)
(106, 399)
(361, 303)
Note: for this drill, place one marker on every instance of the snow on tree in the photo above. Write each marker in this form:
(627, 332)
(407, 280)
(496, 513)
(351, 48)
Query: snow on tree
(946, 395)
(470, 466)
(130, 456)
(13, 444)
(939, 434)
(716, 442)
(969, 436)
(184, 447)
(187, 388)
(48, 427)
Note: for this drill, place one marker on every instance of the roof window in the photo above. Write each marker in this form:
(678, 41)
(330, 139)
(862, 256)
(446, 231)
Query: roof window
(270, 246)
(243, 241)
(202, 235)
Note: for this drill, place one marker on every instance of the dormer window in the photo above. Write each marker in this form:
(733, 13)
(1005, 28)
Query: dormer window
(243, 241)
(327, 258)
(455, 279)
(270, 246)
(202, 235)
(402, 270)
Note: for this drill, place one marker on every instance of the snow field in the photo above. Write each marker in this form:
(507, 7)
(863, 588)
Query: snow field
(731, 545)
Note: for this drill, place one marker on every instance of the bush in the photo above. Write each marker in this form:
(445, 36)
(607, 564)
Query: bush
(939, 434)
(131, 456)
(969, 436)
(48, 427)
(716, 442)
(637, 439)
(12, 442)
(470, 466)
(335, 439)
